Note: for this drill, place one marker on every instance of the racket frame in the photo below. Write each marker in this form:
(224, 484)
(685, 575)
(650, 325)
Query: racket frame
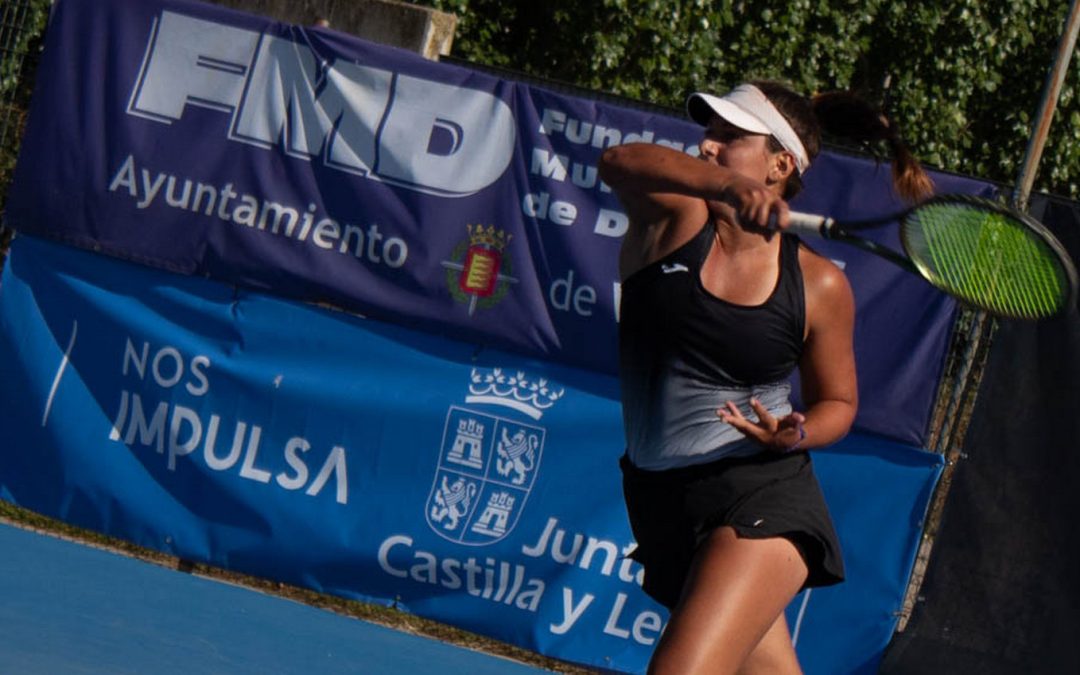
(824, 227)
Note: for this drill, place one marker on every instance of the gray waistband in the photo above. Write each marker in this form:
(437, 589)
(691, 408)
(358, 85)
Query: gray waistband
(683, 428)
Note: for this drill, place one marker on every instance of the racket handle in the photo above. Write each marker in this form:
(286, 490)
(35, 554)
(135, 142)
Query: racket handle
(809, 224)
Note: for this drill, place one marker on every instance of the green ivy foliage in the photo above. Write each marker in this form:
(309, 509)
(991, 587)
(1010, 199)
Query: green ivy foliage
(22, 22)
(965, 76)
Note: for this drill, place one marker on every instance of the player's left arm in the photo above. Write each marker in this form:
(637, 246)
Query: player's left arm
(827, 367)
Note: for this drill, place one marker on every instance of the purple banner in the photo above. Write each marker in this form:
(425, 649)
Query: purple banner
(316, 166)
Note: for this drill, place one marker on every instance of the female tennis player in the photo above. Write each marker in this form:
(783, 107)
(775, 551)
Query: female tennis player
(718, 309)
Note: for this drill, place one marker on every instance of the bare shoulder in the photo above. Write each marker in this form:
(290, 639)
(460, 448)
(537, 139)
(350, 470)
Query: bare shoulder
(828, 292)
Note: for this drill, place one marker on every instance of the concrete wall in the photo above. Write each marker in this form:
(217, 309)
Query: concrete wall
(425, 31)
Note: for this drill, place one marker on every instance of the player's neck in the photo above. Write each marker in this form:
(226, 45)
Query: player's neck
(734, 237)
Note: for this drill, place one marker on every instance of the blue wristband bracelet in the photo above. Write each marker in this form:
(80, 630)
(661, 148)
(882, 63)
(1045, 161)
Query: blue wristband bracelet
(802, 437)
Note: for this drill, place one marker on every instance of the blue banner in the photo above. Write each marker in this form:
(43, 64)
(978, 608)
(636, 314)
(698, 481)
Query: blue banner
(465, 484)
(316, 166)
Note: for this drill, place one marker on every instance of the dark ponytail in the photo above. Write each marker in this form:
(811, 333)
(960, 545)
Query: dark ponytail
(845, 115)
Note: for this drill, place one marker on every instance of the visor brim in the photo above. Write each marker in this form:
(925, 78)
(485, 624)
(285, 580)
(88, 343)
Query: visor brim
(702, 107)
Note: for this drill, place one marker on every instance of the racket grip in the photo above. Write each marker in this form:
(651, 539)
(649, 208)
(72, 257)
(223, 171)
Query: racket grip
(808, 224)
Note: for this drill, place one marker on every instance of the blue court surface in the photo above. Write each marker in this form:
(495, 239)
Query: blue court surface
(66, 608)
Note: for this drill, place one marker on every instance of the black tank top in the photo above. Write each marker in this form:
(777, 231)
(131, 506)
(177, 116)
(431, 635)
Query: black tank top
(683, 352)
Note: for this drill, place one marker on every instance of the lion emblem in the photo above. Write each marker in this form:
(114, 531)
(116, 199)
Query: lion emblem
(517, 455)
(452, 502)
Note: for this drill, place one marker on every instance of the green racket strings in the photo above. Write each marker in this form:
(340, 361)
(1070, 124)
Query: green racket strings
(987, 258)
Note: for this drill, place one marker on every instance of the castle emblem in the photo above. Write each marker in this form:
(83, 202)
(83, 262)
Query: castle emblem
(488, 463)
(479, 272)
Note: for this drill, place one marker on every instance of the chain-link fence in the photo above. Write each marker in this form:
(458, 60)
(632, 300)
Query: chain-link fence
(22, 27)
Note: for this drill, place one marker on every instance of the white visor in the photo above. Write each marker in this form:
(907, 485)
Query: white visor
(746, 107)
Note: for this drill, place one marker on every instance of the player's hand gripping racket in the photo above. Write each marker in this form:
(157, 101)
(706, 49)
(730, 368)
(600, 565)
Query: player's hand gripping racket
(978, 251)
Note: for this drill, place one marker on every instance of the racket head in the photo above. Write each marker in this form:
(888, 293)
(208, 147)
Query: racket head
(990, 256)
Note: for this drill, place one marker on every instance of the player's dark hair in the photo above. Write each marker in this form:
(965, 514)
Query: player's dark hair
(845, 115)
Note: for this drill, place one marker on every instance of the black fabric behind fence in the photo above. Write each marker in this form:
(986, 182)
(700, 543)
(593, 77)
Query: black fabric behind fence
(1002, 591)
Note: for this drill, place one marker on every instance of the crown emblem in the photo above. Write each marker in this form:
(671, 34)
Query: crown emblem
(478, 272)
(488, 237)
(494, 387)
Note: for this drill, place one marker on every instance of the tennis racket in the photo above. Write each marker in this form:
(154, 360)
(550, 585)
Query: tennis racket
(976, 250)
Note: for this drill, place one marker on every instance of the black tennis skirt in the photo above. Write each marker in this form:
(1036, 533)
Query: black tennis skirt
(767, 495)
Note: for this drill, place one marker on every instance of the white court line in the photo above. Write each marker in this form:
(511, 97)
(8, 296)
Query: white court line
(799, 619)
(60, 372)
